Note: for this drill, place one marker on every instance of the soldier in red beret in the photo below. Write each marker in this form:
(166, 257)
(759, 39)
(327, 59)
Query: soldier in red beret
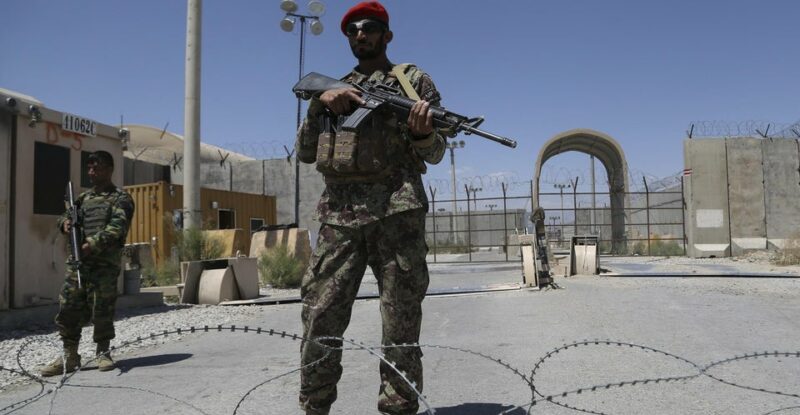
(372, 212)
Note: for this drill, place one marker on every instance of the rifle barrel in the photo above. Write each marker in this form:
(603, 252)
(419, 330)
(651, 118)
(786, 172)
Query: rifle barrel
(494, 137)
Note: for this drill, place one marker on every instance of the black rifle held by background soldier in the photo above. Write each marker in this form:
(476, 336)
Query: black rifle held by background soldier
(378, 95)
(75, 232)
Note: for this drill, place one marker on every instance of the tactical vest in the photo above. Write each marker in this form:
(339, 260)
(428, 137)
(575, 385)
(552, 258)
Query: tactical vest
(97, 213)
(369, 153)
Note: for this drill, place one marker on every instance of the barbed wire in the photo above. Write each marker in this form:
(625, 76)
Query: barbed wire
(537, 396)
(743, 129)
(554, 175)
(261, 150)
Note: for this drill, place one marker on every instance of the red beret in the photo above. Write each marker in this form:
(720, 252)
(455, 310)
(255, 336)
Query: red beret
(363, 10)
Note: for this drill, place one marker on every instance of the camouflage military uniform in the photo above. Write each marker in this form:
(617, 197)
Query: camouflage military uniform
(379, 222)
(106, 218)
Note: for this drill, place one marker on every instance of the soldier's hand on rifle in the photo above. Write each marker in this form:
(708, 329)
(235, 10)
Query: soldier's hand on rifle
(420, 120)
(67, 225)
(339, 101)
(85, 250)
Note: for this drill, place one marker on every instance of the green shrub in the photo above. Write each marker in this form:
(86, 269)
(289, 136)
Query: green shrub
(658, 247)
(639, 248)
(279, 268)
(665, 248)
(156, 276)
(192, 245)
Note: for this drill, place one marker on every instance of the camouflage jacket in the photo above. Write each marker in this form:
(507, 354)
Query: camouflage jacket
(357, 204)
(106, 216)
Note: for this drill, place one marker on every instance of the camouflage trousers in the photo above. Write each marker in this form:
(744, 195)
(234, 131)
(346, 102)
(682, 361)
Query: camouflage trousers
(94, 302)
(395, 249)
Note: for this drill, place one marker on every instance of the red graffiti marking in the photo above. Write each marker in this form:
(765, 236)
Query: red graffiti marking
(55, 134)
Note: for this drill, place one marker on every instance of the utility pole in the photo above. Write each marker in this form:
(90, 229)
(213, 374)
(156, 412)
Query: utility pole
(594, 200)
(191, 118)
(452, 145)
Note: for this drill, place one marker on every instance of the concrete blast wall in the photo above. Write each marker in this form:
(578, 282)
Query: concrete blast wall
(741, 194)
(746, 195)
(782, 184)
(706, 188)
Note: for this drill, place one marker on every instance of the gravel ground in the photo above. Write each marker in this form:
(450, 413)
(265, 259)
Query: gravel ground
(32, 348)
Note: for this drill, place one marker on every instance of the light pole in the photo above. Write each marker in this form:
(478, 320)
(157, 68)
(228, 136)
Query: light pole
(561, 187)
(553, 220)
(452, 146)
(475, 191)
(491, 207)
(317, 9)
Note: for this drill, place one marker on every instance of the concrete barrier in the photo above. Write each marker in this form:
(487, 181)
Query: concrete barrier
(782, 190)
(216, 286)
(706, 190)
(233, 279)
(295, 239)
(746, 194)
(233, 241)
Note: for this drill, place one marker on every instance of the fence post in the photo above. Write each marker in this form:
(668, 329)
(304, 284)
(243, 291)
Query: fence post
(575, 206)
(505, 221)
(469, 225)
(647, 211)
(433, 210)
(683, 218)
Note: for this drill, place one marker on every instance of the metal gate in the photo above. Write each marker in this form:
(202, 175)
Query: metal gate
(485, 229)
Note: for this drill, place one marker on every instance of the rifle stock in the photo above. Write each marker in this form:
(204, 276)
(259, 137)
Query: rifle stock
(314, 84)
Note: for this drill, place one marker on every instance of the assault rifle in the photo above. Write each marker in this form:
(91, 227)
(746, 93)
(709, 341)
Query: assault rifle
(75, 232)
(378, 95)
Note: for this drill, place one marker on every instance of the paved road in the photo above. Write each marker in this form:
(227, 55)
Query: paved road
(699, 320)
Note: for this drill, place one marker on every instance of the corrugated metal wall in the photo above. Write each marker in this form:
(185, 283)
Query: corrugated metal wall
(156, 203)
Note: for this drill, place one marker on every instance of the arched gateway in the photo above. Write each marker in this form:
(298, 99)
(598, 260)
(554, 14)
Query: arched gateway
(609, 152)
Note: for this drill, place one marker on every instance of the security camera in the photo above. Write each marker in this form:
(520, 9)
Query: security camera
(11, 102)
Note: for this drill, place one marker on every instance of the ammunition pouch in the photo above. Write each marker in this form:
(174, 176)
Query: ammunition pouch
(358, 155)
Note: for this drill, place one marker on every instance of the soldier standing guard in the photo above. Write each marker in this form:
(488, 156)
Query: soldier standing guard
(107, 212)
(372, 213)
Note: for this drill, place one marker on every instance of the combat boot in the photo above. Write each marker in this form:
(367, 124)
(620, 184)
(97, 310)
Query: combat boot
(103, 357)
(57, 366)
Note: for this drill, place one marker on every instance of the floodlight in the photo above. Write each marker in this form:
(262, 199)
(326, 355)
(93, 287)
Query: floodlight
(316, 27)
(287, 24)
(289, 6)
(316, 8)
(461, 143)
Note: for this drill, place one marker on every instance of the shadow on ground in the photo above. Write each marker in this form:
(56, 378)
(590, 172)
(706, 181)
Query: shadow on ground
(479, 409)
(125, 365)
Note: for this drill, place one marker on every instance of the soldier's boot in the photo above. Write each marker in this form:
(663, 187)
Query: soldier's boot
(103, 355)
(311, 410)
(391, 405)
(57, 366)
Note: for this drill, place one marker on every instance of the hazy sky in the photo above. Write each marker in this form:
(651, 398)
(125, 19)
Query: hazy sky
(640, 71)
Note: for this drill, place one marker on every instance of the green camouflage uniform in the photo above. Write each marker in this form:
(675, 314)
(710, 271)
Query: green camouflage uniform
(380, 223)
(106, 218)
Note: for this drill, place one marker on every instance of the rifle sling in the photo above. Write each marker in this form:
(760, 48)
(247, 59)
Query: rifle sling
(399, 72)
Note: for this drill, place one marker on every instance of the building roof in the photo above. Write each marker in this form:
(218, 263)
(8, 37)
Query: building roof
(159, 146)
(21, 96)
